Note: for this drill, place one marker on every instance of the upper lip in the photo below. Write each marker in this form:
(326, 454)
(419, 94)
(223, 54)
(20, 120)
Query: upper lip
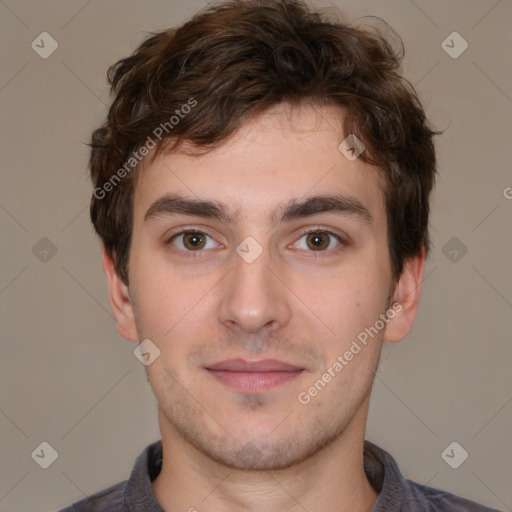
(241, 365)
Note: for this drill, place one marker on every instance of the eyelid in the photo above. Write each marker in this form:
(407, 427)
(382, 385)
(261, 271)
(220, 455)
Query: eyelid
(189, 229)
(342, 240)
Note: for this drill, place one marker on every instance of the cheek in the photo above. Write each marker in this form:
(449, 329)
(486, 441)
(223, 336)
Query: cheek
(162, 296)
(348, 302)
(175, 313)
(160, 302)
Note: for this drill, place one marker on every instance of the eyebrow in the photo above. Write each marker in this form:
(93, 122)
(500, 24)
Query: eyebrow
(177, 205)
(170, 205)
(336, 203)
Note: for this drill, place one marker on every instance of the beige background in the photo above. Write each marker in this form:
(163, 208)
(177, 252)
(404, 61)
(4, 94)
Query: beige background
(68, 379)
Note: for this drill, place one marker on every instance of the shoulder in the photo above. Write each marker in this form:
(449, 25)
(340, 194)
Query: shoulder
(110, 499)
(399, 494)
(430, 499)
(132, 494)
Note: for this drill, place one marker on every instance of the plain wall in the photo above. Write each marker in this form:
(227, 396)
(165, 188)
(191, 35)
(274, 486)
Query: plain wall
(67, 378)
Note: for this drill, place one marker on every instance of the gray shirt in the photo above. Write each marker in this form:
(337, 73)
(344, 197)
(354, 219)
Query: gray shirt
(395, 492)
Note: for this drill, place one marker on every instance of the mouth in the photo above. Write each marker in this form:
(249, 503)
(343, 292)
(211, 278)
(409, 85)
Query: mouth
(255, 376)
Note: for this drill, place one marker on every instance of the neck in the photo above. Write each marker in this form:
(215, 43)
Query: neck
(332, 479)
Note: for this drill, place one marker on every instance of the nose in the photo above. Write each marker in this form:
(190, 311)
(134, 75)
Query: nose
(254, 297)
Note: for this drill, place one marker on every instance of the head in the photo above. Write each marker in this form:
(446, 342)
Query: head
(230, 127)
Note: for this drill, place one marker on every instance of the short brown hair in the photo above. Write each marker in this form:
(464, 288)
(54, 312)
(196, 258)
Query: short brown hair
(232, 61)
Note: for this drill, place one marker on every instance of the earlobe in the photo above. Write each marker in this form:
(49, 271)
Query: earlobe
(405, 299)
(120, 300)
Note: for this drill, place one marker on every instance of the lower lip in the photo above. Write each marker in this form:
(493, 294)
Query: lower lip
(254, 381)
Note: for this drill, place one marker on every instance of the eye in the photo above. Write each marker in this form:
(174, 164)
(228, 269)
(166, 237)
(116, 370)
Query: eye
(192, 241)
(318, 241)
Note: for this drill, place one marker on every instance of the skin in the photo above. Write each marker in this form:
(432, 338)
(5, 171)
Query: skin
(295, 303)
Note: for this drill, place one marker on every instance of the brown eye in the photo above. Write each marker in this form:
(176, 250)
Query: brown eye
(318, 241)
(192, 240)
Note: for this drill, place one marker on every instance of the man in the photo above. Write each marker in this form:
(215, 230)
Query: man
(262, 187)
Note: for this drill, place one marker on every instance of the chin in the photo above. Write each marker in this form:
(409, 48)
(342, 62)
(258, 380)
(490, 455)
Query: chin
(260, 448)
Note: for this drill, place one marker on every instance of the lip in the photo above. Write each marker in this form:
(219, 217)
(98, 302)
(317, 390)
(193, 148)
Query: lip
(265, 365)
(255, 376)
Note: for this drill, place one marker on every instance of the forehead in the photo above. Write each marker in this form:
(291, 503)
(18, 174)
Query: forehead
(282, 155)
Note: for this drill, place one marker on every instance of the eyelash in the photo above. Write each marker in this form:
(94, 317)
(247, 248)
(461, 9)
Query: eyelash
(318, 254)
(200, 252)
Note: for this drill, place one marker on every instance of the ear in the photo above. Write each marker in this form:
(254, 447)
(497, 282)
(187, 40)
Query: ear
(120, 301)
(405, 299)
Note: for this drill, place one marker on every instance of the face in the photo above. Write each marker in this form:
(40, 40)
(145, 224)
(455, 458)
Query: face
(254, 269)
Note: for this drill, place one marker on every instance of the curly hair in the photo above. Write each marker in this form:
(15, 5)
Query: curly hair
(202, 81)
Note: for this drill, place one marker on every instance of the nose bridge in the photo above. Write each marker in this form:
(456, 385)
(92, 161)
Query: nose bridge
(252, 296)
